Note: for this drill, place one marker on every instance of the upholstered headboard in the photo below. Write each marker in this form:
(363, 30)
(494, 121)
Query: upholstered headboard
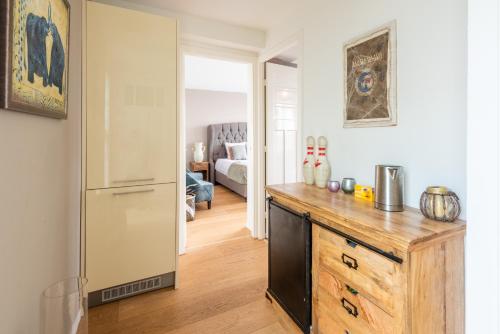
(218, 135)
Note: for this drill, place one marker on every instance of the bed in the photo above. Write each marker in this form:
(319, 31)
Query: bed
(230, 173)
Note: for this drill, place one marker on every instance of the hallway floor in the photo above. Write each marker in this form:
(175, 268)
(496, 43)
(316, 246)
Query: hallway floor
(225, 221)
(222, 280)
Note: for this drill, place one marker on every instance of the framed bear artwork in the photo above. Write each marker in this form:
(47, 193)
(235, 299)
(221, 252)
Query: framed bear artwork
(34, 40)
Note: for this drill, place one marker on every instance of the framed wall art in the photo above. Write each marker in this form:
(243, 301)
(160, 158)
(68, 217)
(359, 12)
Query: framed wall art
(34, 40)
(370, 79)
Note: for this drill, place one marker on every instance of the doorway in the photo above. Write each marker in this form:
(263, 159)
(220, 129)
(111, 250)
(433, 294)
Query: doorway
(215, 95)
(224, 104)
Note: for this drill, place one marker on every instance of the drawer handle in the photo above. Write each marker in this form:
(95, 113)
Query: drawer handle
(351, 309)
(349, 261)
(133, 192)
(351, 290)
(351, 243)
(135, 180)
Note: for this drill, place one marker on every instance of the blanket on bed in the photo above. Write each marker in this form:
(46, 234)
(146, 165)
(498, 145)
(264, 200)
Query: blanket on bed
(238, 171)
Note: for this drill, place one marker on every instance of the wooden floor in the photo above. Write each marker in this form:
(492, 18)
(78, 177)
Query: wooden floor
(222, 278)
(225, 221)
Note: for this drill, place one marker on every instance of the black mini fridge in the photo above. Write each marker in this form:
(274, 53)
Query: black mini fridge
(290, 262)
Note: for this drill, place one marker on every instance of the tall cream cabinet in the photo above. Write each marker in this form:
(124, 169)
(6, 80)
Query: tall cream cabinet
(131, 152)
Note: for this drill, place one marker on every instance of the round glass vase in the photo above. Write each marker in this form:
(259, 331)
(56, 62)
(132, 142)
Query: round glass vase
(64, 307)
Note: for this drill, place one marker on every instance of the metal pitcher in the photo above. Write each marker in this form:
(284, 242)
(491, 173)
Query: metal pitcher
(389, 188)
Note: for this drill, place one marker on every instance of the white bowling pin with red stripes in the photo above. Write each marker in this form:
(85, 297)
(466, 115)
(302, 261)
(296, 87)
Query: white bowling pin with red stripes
(308, 168)
(322, 166)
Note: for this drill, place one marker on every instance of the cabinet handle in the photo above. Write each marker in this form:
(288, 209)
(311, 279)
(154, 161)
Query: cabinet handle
(133, 192)
(135, 180)
(350, 308)
(350, 262)
(351, 243)
(351, 290)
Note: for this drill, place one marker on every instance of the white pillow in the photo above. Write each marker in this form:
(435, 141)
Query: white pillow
(228, 151)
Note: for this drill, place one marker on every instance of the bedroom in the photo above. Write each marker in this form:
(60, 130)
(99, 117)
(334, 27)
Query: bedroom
(216, 100)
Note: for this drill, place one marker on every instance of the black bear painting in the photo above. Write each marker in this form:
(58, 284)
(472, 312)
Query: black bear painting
(56, 60)
(37, 29)
(38, 60)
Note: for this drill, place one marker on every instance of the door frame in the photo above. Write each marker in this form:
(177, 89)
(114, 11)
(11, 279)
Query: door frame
(254, 132)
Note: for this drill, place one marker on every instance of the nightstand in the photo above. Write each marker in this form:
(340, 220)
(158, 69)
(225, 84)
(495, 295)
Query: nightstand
(200, 167)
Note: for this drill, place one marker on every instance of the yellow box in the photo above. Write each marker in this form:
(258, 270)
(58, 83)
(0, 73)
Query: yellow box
(364, 192)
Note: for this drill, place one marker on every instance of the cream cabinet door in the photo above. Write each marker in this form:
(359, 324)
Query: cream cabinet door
(130, 234)
(131, 97)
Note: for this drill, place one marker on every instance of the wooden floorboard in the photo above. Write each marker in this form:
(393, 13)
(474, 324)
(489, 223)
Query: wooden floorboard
(225, 221)
(222, 283)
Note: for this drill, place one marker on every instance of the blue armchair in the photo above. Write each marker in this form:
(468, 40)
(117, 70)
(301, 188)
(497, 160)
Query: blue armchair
(203, 190)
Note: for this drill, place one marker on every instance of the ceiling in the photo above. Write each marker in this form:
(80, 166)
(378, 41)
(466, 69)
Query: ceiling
(257, 14)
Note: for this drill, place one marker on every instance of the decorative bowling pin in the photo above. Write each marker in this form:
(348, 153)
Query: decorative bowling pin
(308, 167)
(322, 166)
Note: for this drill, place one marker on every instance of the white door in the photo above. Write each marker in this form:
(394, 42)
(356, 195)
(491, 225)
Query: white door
(281, 124)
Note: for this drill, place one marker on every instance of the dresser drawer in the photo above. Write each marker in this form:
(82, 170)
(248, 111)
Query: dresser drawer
(326, 323)
(378, 277)
(347, 311)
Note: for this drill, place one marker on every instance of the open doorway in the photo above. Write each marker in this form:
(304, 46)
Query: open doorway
(217, 106)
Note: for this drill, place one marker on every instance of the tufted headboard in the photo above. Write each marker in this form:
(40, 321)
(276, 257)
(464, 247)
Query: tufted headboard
(218, 135)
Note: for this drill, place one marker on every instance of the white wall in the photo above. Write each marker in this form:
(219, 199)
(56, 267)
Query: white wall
(205, 107)
(39, 200)
(483, 166)
(215, 74)
(430, 138)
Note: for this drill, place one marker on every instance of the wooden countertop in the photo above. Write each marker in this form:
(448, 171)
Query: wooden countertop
(403, 229)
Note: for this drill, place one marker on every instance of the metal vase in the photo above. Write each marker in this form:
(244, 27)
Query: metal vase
(389, 188)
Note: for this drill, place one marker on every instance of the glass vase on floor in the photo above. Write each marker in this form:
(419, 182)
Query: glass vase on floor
(64, 307)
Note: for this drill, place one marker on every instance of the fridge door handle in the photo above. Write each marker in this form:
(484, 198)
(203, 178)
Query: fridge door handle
(133, 192)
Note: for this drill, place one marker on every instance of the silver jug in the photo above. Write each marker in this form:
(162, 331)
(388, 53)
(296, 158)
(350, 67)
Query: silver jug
(389, 188)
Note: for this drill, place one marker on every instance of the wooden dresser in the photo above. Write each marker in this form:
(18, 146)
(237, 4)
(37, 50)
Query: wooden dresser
(379, 272)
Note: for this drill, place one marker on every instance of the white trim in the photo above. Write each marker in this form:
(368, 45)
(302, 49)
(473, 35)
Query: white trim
(83, 185)
(197, 48)
(255, 218)
(275, 50)
(181, 178)
(260, 164)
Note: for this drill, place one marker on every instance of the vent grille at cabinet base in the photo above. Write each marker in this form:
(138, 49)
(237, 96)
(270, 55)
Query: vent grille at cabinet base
(131, 289)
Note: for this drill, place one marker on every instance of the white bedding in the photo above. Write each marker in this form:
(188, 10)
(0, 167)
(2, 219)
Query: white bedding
(223, 165)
